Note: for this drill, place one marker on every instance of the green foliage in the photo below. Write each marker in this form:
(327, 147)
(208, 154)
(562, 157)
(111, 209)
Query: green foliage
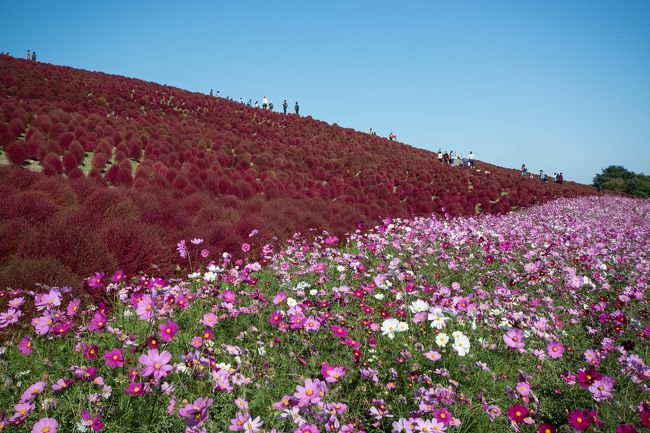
(618, 179)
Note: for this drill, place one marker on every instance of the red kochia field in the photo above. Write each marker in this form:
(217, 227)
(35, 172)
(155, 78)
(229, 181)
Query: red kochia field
(106, 172)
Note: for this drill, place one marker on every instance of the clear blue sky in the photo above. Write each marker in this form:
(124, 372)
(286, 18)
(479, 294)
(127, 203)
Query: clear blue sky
(559, 85)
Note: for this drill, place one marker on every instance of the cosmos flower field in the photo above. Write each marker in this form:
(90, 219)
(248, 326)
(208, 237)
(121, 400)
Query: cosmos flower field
(533, 321)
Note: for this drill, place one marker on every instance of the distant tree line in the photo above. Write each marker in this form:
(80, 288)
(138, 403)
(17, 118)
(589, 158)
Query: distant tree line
(619, 179)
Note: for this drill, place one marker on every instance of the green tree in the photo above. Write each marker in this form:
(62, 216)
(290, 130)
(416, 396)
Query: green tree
(619, 179)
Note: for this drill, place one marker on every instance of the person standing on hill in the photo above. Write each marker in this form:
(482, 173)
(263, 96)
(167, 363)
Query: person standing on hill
(284, 106)
(257, 104)
(440, 155)
(471, 159)
(29, 54)
(297, 108)
(392, 136)
(34, 55)
(264, 103)
(271, 105)
(524, 169)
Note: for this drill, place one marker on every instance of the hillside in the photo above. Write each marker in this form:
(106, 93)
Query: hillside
(106, 172)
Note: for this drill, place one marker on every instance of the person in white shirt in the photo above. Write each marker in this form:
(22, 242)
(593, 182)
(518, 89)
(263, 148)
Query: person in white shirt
(471, 159)
(265, 103)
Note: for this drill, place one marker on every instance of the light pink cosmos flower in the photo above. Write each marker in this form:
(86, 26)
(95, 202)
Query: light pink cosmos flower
(555, 350)
(45, 425)
(332, 373)
(25, 346)
(601, 389)
(311, 392)
(514, 339)
(156, 364)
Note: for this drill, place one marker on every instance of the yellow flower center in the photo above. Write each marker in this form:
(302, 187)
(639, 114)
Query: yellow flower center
(157, 365)
(309, 392)
(579, 419)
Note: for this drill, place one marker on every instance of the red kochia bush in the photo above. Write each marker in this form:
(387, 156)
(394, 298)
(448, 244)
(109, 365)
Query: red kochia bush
(17, 152)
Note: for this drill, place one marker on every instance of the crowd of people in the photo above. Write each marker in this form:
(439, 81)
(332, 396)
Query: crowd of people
(452, 159)
(557, 177)
(267, 104)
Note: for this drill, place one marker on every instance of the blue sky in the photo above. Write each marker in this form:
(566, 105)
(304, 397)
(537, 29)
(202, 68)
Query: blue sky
(558, 85)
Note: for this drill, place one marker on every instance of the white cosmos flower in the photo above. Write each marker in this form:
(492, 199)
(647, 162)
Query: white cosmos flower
(389, 327)
(291, 302)
(461, 344)
(418, 306)
(379, 296)
(402, 326)
(442, 339)
(438, 320)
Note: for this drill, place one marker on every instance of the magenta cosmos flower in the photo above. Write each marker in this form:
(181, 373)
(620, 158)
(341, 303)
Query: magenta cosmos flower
(135, 388)
(517, 413)
(114, 358)
(45, 425)
(555, 350)
(514, 339)
(156, 364)
(167, 330)
(546, 428)
(579, 419)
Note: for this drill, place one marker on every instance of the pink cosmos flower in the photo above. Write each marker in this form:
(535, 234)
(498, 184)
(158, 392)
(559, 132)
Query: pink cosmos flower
(22, 411)
(307, 428)
(98, 322)
(311, 392)
(62, 384)
(32, 391)
(156, 364)
(279, 298)
(73, 307)
(443, 416)
(135, 388)
(555, 350)
(114, 358)
(209, 319)
(432, 355)
(96, 280)
(145, 308)
(587, 376)
(91, 422)
(25, 346)
(579, 419)
(625, 428)
(16, 302)
(332, 373)
(275, 317)
(514, 339)
(245, 247)
(9, 317)
(196, 342)
(195, 414)
(205, 252)
(229, 296)
(45, 425)
(181, 247)
(167, 330)
(312, 324)
(523, 388)
(339, 331)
